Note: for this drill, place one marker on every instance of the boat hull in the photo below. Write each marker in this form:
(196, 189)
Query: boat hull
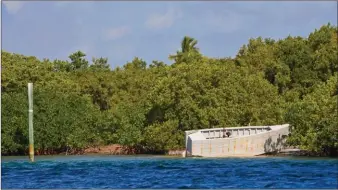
(244, 141)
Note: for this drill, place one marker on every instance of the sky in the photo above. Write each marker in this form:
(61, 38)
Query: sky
(152, 30)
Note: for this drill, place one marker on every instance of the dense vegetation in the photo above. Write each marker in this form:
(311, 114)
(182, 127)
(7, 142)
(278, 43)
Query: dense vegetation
(78, 103)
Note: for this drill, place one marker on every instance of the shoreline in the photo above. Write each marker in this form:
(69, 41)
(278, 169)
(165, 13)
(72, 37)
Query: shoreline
(177, 156)
(119, 150)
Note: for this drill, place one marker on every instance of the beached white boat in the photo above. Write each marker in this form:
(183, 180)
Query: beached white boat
(236, 141)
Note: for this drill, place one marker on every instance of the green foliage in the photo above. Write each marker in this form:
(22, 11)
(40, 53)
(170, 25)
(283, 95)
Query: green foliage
(77, 105)
(136, 64)
(161, 137)
(100, 63)
(315, 121)
(78, 61)
(67, 115)
(214, 95)
(61, 66)
(131, 119)
(14, 123)
(188, 53)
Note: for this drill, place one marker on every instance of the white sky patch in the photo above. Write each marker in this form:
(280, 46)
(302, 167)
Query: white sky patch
(13, 6)
(161, 21)
(78, 7)
(227, 23)
(122, 53)
(62, 3)
(116, 33)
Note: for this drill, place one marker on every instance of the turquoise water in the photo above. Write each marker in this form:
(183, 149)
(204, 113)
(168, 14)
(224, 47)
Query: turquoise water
(165, 172)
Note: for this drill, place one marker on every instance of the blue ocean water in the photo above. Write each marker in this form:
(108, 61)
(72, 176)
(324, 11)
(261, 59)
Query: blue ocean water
(168, 172)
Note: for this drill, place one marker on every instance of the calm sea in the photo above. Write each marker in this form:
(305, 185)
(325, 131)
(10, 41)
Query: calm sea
(166, 172)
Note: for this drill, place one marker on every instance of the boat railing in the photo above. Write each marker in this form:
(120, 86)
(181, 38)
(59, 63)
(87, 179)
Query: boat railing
(234, 132)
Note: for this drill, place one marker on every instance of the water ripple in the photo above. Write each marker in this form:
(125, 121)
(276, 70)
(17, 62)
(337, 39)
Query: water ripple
(161, 172)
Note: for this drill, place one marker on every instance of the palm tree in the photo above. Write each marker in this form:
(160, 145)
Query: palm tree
(188, 47)
(188, 44)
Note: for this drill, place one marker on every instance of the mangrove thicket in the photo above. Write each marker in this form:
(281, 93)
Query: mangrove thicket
(82, 102)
